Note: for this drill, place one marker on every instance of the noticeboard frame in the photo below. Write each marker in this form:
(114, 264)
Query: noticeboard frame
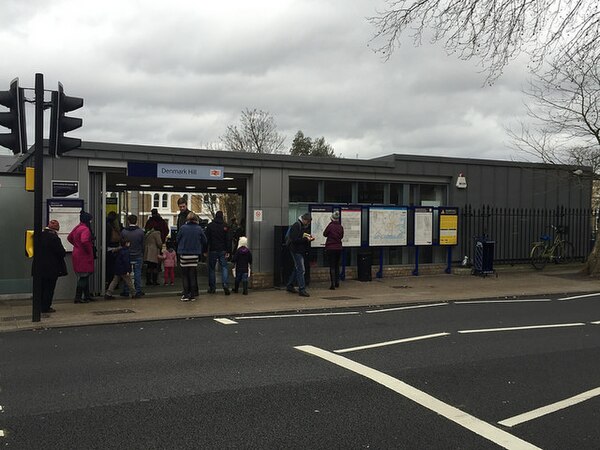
(70, 207)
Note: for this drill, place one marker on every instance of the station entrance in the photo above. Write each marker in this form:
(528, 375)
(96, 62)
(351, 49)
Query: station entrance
(125, 195)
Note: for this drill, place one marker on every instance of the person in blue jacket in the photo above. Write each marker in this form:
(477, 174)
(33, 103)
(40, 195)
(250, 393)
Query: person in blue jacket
(122, 270)
(191, 241)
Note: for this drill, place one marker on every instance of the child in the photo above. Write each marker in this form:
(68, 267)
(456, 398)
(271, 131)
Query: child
(242, 260)
(169, 258)
(122, 270)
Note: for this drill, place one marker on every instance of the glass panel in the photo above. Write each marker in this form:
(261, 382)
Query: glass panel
(370, 192)
(396, 193)
(338, 192)
(155, 200)
(165, 200)
(304, 190)
(432, 195)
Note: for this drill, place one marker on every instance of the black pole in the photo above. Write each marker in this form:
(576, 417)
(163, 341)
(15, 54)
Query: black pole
(38, 194)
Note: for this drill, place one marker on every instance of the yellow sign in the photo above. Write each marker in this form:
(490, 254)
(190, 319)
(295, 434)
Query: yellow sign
(29, 179)
(448, 229)
(29, 243)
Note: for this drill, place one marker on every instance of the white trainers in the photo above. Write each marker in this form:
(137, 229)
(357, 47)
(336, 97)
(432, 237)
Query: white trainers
(185, 298)
(192, 299)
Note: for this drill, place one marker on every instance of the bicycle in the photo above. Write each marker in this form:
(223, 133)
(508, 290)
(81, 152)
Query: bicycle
(559, 251)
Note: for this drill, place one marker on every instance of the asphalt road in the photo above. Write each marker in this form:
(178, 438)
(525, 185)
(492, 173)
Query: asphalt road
(454, 375)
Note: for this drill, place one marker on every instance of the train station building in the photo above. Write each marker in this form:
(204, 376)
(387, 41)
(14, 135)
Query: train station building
(267, 192)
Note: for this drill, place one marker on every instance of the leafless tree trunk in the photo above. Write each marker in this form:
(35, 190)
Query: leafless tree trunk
(493, 31)
(257, 134)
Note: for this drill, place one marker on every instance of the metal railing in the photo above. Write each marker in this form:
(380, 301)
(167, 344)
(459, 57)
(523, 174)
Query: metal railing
(514, 229)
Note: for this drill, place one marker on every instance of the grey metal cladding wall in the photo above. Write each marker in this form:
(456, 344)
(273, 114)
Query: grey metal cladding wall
(505, 184)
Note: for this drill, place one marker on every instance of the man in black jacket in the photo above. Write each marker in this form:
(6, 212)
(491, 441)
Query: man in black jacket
(219, 247)
(299, 244)
(51, 258)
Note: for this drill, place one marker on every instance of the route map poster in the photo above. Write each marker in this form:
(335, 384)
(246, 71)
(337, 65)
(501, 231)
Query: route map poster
(423, 226)
(387, 226)
(351, 221)
(448, 226)
(321, 216)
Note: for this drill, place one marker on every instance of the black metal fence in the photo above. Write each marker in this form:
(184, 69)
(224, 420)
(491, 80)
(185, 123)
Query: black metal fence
(513, 230)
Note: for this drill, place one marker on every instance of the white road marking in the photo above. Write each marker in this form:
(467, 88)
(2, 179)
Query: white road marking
(595, 323)
(404, 307)
(1, 433)
(472, 302)
(580, 296)
(399, 341)
(539, 412)
(530, 327)
(478, 426)
(283, 316)
(225, 321)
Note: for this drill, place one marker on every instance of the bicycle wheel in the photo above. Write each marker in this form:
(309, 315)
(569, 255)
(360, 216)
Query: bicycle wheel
(564, 253)
(538, 257)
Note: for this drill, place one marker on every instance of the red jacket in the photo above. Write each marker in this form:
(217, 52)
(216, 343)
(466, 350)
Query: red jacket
(83, 248)
(334, 232)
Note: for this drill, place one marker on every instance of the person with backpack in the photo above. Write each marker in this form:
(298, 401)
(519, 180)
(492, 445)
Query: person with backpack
(298, 240)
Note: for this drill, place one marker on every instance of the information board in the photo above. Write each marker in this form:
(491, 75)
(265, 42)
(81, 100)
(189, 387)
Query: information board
(321, 216)
(66, 211)
(387, 226)
(448, 226)
(351, 221)
(423, 226)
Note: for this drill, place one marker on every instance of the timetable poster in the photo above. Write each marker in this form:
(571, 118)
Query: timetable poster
(423, 226)
(351, 220)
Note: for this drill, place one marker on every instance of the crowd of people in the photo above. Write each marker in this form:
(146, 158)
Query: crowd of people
(130, 248)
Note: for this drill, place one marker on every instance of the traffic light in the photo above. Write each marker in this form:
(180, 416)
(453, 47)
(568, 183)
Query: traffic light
(61, 124)
(14, 119)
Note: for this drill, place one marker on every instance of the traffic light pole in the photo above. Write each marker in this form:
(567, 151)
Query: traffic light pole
(38, 195)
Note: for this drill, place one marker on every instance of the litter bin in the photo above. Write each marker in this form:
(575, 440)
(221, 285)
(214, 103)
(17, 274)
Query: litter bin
(364, 263)
(483, 260)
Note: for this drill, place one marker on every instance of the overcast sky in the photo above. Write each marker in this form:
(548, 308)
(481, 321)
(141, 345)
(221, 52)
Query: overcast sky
(177, 73)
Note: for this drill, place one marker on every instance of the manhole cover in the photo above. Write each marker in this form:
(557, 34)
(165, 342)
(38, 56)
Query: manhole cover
(341, 297)
(113, 311)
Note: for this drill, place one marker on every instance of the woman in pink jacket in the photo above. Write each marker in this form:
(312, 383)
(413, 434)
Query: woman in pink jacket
(83, 256)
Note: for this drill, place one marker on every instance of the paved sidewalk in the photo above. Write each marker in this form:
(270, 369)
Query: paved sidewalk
(15, 314)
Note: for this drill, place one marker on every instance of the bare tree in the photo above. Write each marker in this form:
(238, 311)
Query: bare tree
(493, 31)
(564, 109)
(565, 129)
(257, 133)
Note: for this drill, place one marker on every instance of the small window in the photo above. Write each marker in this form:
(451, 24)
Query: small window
(155, 201)
(165, 200)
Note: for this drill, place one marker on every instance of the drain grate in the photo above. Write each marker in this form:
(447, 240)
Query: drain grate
(341, 297)
(113, 311)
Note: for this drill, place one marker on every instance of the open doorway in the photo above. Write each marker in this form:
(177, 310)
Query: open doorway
(141, 197)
